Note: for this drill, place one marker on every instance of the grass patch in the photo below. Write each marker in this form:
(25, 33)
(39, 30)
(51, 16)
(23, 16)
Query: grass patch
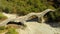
(12, 31)
(2, 29)
(2, 17)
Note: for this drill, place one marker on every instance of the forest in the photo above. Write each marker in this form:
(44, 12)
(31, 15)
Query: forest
(23, 7)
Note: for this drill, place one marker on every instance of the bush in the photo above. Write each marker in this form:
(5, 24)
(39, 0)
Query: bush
(2, 17)
(2, 27)
(12, 31)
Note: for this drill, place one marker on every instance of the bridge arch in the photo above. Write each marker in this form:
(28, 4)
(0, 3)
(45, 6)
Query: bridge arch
(16, 23)
(33, 18)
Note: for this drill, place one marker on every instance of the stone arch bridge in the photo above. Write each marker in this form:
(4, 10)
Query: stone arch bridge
(26, 17)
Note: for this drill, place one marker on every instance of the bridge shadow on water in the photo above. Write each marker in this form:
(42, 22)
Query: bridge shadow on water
(33, 20)
(53, 24)
(17, 23)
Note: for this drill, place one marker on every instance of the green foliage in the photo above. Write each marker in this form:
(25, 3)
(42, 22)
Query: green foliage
(2, 17)
(12, 31)
(2, 27)
(23, 7)
(57, 13)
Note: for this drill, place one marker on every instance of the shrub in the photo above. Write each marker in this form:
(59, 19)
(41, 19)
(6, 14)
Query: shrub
(2, 17)
(2, 27)
(12, 31)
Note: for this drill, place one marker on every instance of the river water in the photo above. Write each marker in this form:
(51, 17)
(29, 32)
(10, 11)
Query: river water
(38, 28)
